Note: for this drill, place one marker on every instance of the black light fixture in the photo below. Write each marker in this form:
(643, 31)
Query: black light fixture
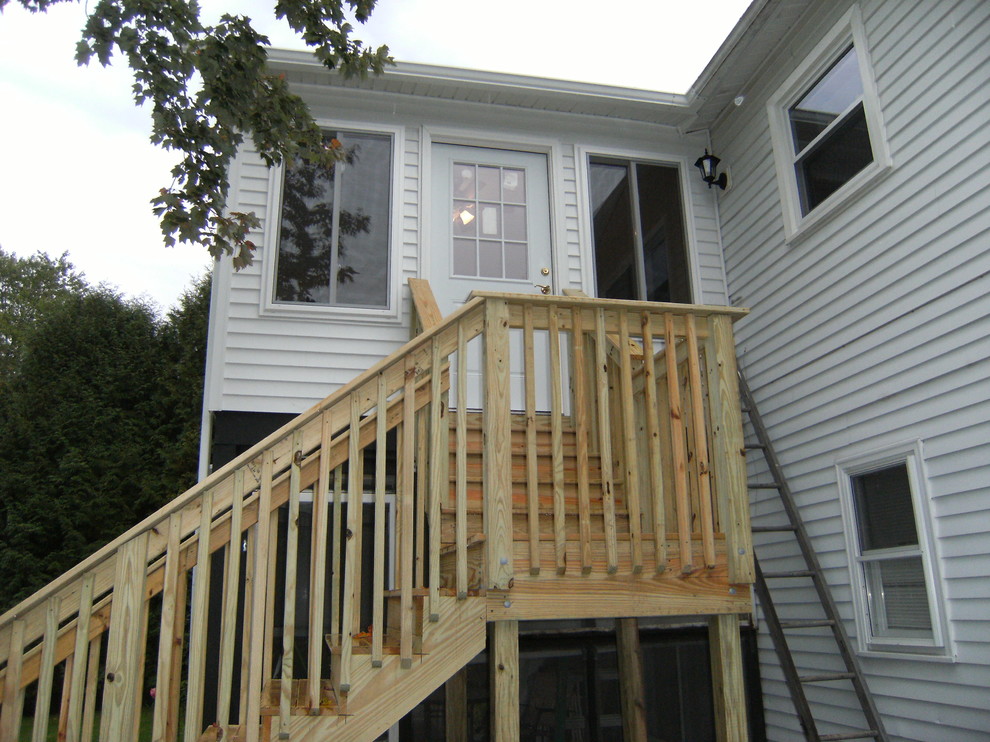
(708, 165)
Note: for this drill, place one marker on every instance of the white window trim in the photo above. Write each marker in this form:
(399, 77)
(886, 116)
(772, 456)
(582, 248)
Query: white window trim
(357, 315)
(848, 31)
(910, 454)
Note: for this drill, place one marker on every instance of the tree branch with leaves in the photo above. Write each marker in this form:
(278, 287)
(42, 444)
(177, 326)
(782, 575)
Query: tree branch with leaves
(208, 88)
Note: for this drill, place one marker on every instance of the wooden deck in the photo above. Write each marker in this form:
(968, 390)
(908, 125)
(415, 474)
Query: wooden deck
(603, 476)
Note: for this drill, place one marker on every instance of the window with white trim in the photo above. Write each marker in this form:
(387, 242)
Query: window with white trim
(894, 575)
(333, 246)
(826, 127)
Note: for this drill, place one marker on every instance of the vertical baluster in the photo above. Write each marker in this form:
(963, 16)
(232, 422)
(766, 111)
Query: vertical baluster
(198, 623)
(460, 495)
(125, 647)
(653, 445)
(439, 477)
(700, 444)
(231, 586)
(378, 563)
(46, 671)
(605, 444)
(89, 702)
(259, 596)
(62, 731)
(318, 564)
(422, 493)
(677, 444)
(351, 555)
(557, 443)
(174, 690)
(272, 578)
(355, 484)
(631, 456)
(580, 412)
(291, 581)
(407, 541)
(169, 620)
(77, 685)
(13, 694)
(250, 546)
(532, 476)
(336, 548)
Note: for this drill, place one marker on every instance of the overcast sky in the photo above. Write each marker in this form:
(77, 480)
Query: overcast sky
(77, 170)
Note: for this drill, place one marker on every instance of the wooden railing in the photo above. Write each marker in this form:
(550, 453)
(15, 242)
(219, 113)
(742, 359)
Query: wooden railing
(631, 462)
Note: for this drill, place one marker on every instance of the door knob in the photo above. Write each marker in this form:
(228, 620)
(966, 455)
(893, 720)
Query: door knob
(543, 287)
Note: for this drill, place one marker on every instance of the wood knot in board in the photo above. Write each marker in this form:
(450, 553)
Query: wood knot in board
(297, 458)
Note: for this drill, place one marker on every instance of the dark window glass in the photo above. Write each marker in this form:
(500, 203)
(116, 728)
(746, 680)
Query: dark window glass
(884, 509)
(638, 230)
(834, 160)
(334, 238)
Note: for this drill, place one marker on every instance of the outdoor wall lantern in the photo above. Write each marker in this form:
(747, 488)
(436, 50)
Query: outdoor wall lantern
(708, 165)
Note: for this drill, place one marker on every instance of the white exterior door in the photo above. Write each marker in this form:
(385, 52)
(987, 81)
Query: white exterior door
(490, 231)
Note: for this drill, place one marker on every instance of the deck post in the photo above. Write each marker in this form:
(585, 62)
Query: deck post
(631, 680)
(727, 679)
(504, 664)
(456, 707)
(498, 454)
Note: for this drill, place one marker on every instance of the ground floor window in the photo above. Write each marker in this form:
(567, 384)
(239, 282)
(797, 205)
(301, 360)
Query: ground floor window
(891, 551)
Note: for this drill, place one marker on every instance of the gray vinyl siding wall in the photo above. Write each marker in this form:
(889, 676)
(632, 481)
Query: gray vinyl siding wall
(266, 363)
(874, 330)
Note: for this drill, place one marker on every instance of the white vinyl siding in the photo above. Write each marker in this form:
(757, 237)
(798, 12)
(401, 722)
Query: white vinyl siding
(875, 329)
(272, 359)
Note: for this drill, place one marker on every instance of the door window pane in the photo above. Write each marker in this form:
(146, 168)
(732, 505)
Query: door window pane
(498, 247)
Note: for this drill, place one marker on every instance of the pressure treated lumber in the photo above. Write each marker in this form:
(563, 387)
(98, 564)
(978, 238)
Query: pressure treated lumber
(630, 680)
(728, 688)
(504, 693)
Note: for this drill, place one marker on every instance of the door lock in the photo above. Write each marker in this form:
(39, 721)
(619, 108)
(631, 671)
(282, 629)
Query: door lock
(544, 271)
(543, 287)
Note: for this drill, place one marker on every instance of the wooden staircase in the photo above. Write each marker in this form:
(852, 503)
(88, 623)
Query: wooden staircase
(429, 520)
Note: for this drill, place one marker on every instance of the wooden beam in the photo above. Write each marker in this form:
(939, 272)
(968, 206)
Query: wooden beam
(631, 680)
(504, 664)
(456, 707)
(727, 679)
(497, 461)
(425, 303)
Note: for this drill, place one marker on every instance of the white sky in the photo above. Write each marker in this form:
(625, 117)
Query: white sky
(77, 171)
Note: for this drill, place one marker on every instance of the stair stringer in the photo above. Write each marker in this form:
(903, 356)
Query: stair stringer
(381, 696)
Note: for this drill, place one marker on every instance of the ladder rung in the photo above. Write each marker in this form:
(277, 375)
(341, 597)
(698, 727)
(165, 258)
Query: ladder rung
(755, 447)
(772, 529)
(764, 486)
(810, 623)
(795, 573)
(827, 676)
(864, 734)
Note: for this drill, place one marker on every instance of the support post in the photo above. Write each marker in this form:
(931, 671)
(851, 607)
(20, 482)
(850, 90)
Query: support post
(631, 680)
(727, 679)
(456, 707)
(498, 454)
(504, 663)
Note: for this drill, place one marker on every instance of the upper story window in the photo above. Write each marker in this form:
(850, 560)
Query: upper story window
(638, 231)
(894, 573)
(826, 128)
(334, 227)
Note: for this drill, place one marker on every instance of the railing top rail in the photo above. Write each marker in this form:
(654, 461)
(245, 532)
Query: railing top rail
(220, 475)
(699, 310)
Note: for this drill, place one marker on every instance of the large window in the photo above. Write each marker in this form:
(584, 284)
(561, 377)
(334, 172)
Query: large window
(894, 574)
(638, 222)
(826, 128)
(334, 231)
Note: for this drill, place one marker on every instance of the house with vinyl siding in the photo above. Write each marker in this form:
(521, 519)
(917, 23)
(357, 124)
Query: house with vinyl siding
(528, 308)
(856, 229)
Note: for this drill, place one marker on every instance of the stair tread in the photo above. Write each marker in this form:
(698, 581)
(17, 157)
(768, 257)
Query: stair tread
(271, 698)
